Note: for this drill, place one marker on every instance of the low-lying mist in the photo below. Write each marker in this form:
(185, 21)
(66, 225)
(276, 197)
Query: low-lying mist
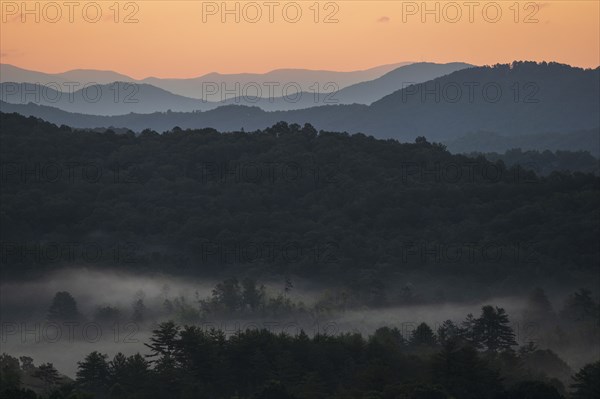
(107, 300)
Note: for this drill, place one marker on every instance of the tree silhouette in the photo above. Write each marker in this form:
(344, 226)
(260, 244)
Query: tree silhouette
(422, 336)
(63, 308)
(139, 311)
(460, 370)
(164, 346)
(493, 329)
(229, 294)
(117, 369)
(288, 285)
(467, 331)
(10, 373)
(252, 296)
(581, 307)
(448, 330)
(27, 363)
(586, 383)
(48, 374)
(93, 373)
(533, 390)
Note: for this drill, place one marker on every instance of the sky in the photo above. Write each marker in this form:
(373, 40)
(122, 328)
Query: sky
(190, 38)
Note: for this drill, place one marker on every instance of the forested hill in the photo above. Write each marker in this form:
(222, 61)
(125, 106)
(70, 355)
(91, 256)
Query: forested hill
(288, 200)
(515, 99)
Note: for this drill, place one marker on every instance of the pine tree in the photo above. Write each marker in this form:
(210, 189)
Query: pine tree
(117, 368)
(228, 294)
(459, 369)
(48, 374)
(27, 363)
(139, 311)
(93, 373)
(252, 295)
(163, 342)
(164, 346)
(10, 373)
(448, 330)
(581, 307)
(493, 329)
(135, 373)
(468, 332)
(63, 308)
(422, 336)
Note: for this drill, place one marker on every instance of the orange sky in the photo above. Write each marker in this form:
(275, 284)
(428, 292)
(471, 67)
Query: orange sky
(171, 39)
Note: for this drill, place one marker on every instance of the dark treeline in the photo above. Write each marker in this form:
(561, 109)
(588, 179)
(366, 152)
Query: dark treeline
(574, 141)
(285, 200)
(475, 359)
(546, 162)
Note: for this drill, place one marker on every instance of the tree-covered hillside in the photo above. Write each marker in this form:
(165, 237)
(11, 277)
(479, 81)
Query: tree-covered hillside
(284, 200)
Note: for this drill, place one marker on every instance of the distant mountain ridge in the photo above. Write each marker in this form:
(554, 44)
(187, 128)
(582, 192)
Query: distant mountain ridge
(11, 73)
(202, 86)
(359, 93)
(116, 98)
(376, 89)
(536, 98)
(123, 97)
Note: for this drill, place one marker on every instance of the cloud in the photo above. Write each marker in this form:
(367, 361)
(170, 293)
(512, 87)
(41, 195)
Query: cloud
(384, 19)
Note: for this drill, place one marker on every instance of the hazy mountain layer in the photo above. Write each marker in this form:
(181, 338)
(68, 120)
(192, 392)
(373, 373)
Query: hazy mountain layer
(126, 96)
(203, 87)
(510, 100)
